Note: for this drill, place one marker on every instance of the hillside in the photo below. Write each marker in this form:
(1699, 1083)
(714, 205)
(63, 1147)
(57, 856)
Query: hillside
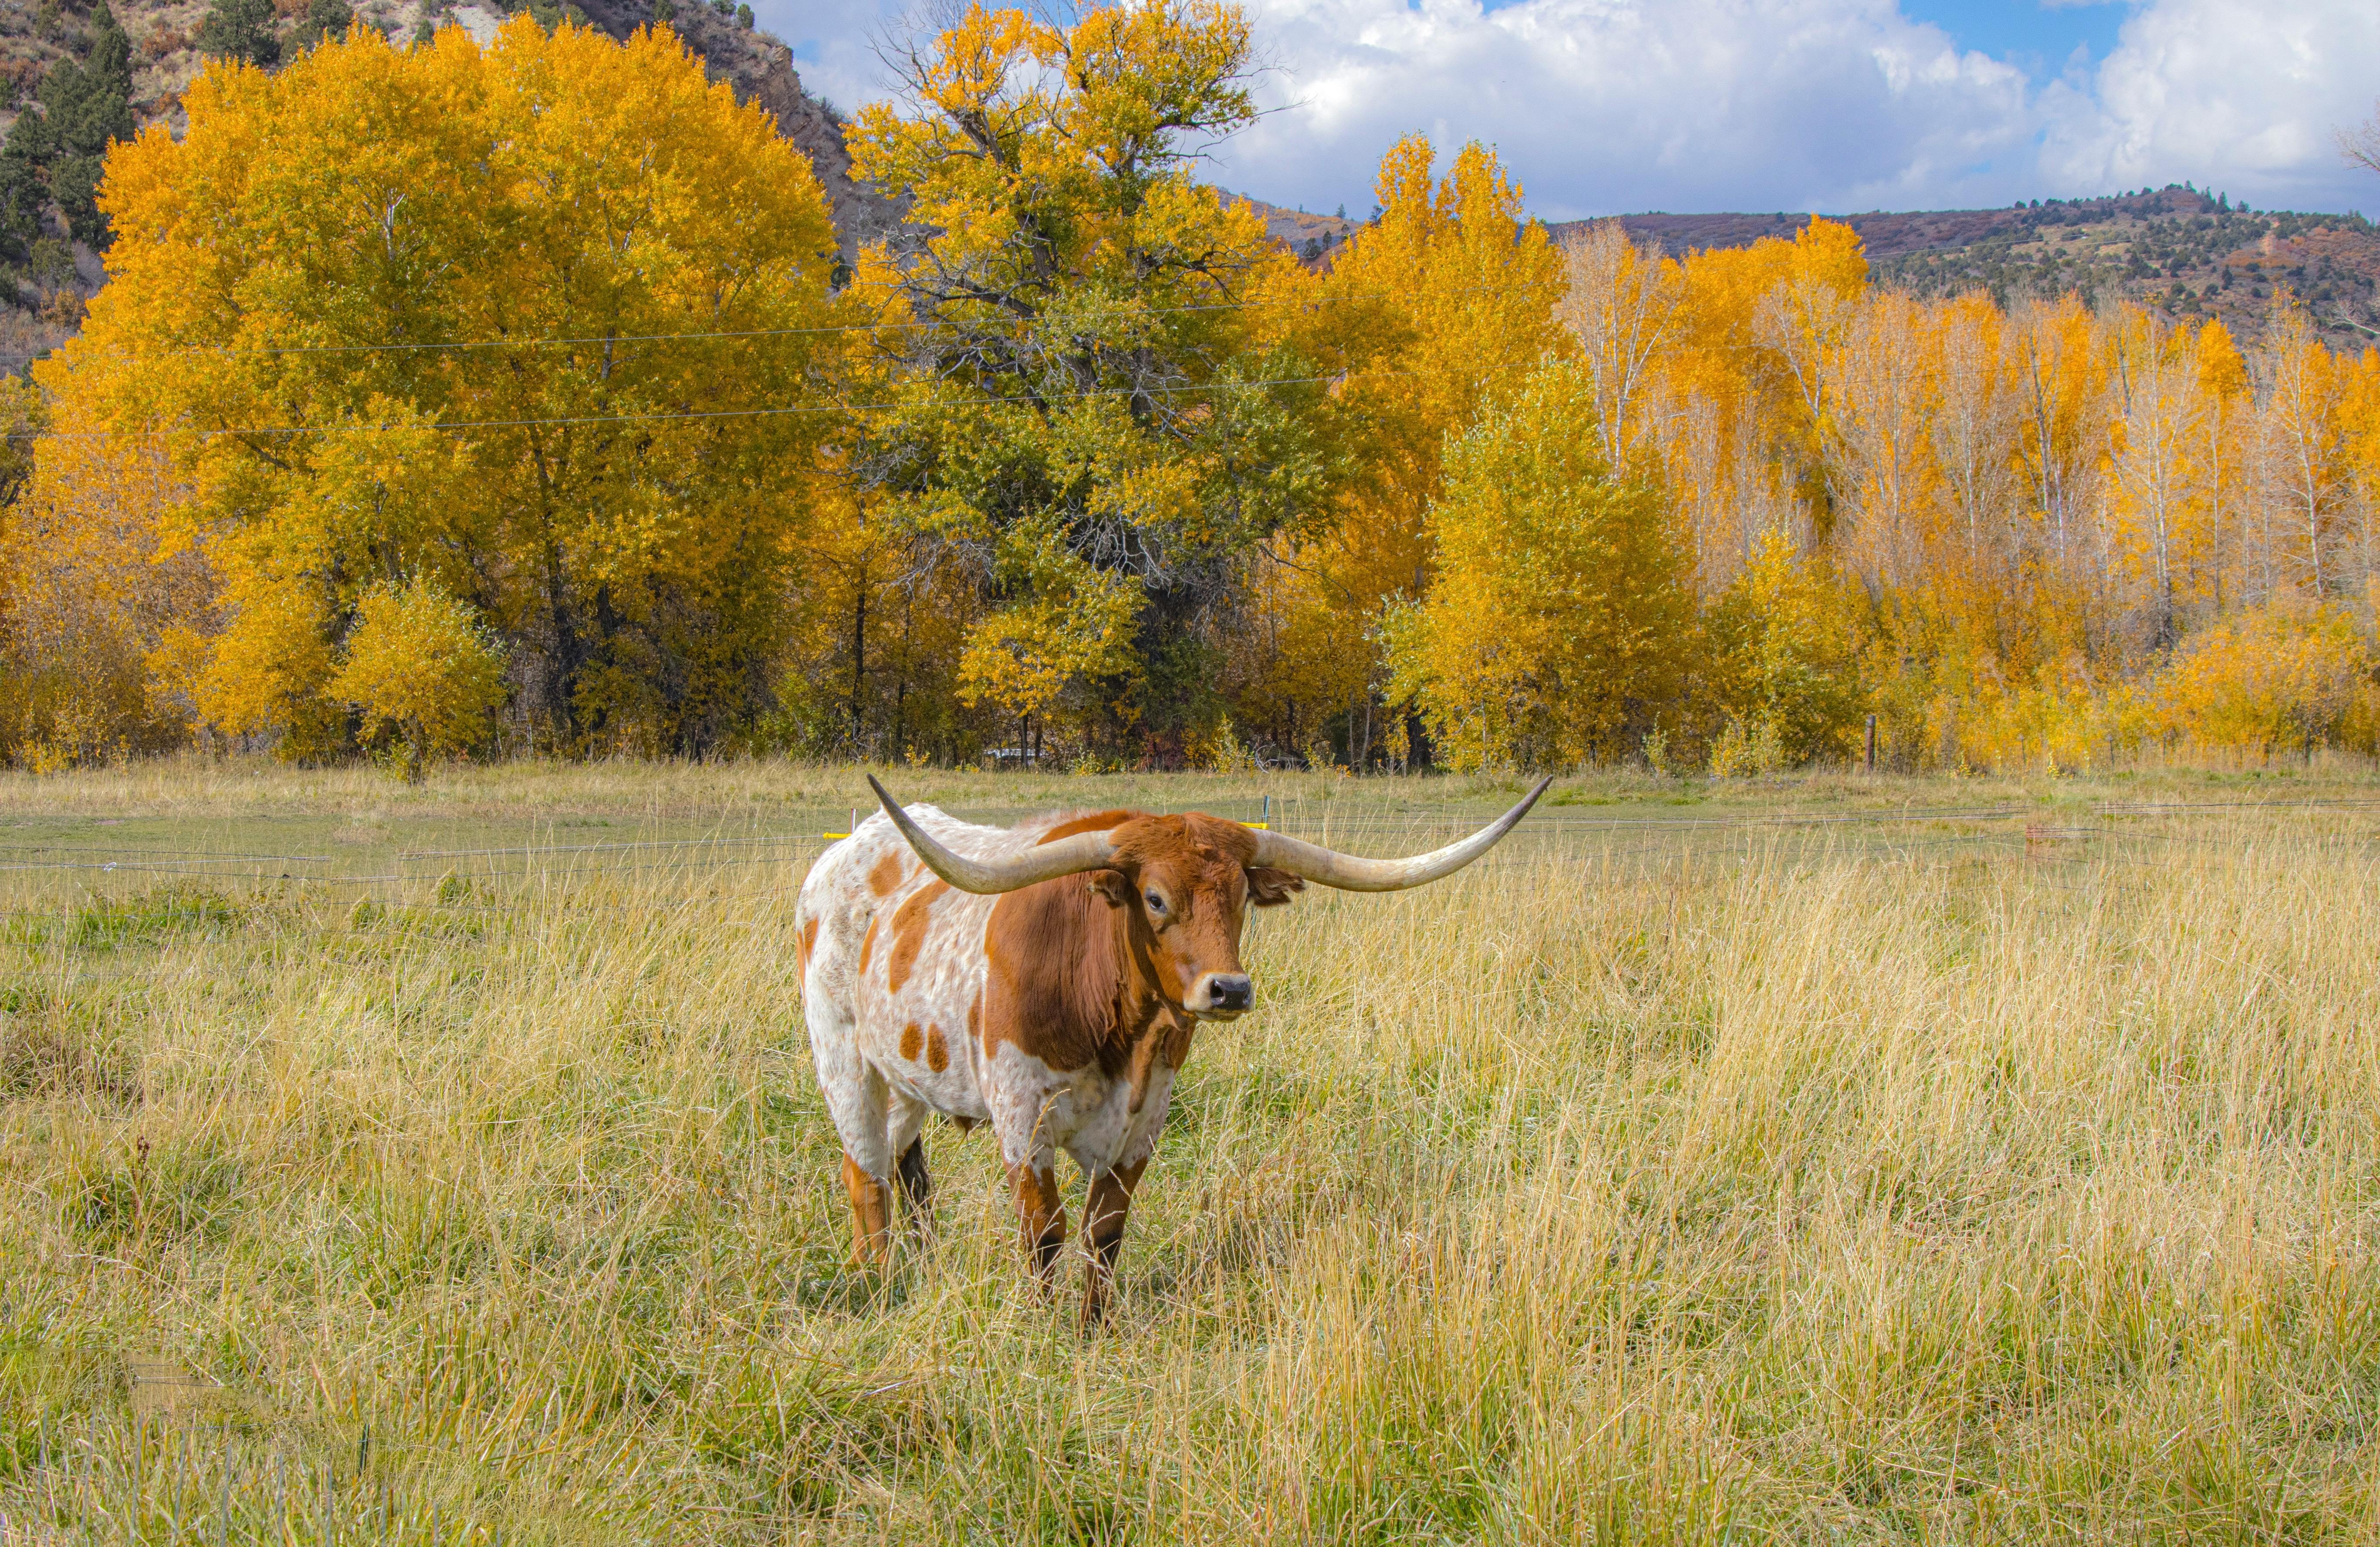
(1312, 237)
(2174, 249)
(2177, 249)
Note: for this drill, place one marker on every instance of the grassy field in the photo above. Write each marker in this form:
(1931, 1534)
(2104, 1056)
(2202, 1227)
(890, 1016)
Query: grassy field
(1817, 1159)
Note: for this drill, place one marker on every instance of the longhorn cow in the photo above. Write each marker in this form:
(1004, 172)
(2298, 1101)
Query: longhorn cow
(962, 970)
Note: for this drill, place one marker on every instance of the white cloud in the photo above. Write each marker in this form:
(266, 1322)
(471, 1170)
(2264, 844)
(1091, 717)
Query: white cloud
(1604, 105)
(2239, 96)
(1612, 105)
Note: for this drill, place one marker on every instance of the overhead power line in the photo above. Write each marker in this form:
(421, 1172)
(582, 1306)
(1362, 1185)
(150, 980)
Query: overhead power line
(589, 340)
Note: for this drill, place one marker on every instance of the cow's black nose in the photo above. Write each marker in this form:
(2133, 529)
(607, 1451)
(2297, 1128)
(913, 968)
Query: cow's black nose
(1230, 993)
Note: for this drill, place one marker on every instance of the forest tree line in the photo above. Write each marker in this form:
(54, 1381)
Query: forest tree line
(448, 400)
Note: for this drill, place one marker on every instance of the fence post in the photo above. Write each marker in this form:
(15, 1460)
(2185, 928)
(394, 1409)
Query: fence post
(1871, 743)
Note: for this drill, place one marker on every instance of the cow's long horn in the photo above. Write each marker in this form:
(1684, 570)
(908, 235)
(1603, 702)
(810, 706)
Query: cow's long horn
(1047, 861)
(1348, 873)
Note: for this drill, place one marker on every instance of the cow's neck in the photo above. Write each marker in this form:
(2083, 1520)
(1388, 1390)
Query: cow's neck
(1137, 1012)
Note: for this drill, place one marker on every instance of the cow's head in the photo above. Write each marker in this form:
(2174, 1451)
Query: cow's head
(1185, 884)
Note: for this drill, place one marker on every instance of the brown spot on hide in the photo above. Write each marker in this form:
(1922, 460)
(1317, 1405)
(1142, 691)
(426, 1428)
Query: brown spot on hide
(937, 1052)
(909, 933)
(911, 1041)
(975, 1017)
(1098, 821)
(805, 942)
(886, 876)
(1168, 1043)
(866, 944)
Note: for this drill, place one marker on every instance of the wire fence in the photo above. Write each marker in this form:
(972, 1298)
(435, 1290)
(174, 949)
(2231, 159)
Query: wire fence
(49, 876)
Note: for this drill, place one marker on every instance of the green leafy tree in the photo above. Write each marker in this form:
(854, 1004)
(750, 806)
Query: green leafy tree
(324, 20)
(242, 31)
(1080, 400)
(58, 153)
(23, 197)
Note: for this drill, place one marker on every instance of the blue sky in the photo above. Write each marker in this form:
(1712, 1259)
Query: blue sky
(2041, 39)
(1605, 106)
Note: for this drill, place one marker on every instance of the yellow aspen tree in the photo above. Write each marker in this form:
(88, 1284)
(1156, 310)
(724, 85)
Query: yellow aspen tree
(2152, 439)
(1620, 303)
(535, 321)
(2359, 417)
(420, 670)
(2060, 374)
(99, 598)
(1786, 647)
(2302, 440)
(2221, 376)
(1801, 321)
(1557, 628)
(1973, 428)
(1451, 294)
(1885, 400)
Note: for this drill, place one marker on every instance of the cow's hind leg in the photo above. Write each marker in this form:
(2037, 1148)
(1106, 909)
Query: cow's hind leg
(917, 1186)
(856, 1100)
(1104, 1213)
(904, 1137)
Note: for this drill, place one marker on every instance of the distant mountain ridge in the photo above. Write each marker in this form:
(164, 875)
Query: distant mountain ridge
(2186, 253)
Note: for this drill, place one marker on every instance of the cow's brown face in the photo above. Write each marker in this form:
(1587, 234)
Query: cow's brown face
(1185, 886)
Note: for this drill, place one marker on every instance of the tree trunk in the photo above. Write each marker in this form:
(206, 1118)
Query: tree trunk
(858, 660)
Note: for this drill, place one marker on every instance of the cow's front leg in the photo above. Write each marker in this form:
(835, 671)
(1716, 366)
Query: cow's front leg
(1021, 1092)
(1041, 1214)
(1103, 1219)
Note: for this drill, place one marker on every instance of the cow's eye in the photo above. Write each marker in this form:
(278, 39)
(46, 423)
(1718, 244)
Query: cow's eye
(1156, 903)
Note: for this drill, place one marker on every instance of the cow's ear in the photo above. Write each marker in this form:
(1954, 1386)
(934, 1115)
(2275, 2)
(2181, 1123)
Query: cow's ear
(1113, 885)
(1268, 887)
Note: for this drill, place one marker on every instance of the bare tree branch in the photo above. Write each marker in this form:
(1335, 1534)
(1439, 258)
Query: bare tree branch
(2361, 145)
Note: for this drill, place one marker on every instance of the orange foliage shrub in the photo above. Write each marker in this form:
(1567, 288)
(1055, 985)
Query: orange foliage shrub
(2285, 677)
(421, 672)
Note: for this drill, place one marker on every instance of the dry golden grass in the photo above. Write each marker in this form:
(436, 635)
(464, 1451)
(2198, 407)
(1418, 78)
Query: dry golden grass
(1857, 1182)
